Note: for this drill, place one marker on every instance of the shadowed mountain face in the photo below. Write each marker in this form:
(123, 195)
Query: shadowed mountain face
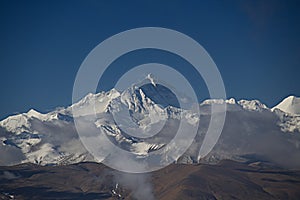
(226, 180)
(160, 95)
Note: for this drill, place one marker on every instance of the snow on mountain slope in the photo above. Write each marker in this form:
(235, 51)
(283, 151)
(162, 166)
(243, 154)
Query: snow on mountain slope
(288, 122)
(253, 105)
(94, 103)
(20, 123)
(51, 138)
(218, 101)
(234, 105)
(289, 105)
(288, 112)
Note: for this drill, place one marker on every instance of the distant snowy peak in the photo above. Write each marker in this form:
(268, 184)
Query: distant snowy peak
(16, 123)
(42, 117)
(289, 105)
(253, 105)
(34, 113)
(21, 122)
(218, 101)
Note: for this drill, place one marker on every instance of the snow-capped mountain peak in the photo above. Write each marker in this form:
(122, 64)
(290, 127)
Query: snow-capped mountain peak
(42, 117)
(93, 103)
(16, 123)
(289, 105)
(151, 79)
(21, 122)
(218, 101)
(234, 105)
(34, 113)
(231, 101)
(252, 105)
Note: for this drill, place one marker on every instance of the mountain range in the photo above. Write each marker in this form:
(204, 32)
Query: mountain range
(252, 131)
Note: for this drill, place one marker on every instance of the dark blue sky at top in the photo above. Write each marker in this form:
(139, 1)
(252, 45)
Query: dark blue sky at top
(255, 44)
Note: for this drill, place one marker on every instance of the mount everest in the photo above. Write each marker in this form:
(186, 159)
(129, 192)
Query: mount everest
(251, 130)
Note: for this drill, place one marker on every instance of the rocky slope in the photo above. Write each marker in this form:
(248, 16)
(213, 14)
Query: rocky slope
(226, 180)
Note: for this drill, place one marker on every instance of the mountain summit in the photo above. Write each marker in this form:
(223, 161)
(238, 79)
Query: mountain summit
(290, 105)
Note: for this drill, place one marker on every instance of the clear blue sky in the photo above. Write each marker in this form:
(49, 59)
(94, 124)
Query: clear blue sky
(255, 44)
